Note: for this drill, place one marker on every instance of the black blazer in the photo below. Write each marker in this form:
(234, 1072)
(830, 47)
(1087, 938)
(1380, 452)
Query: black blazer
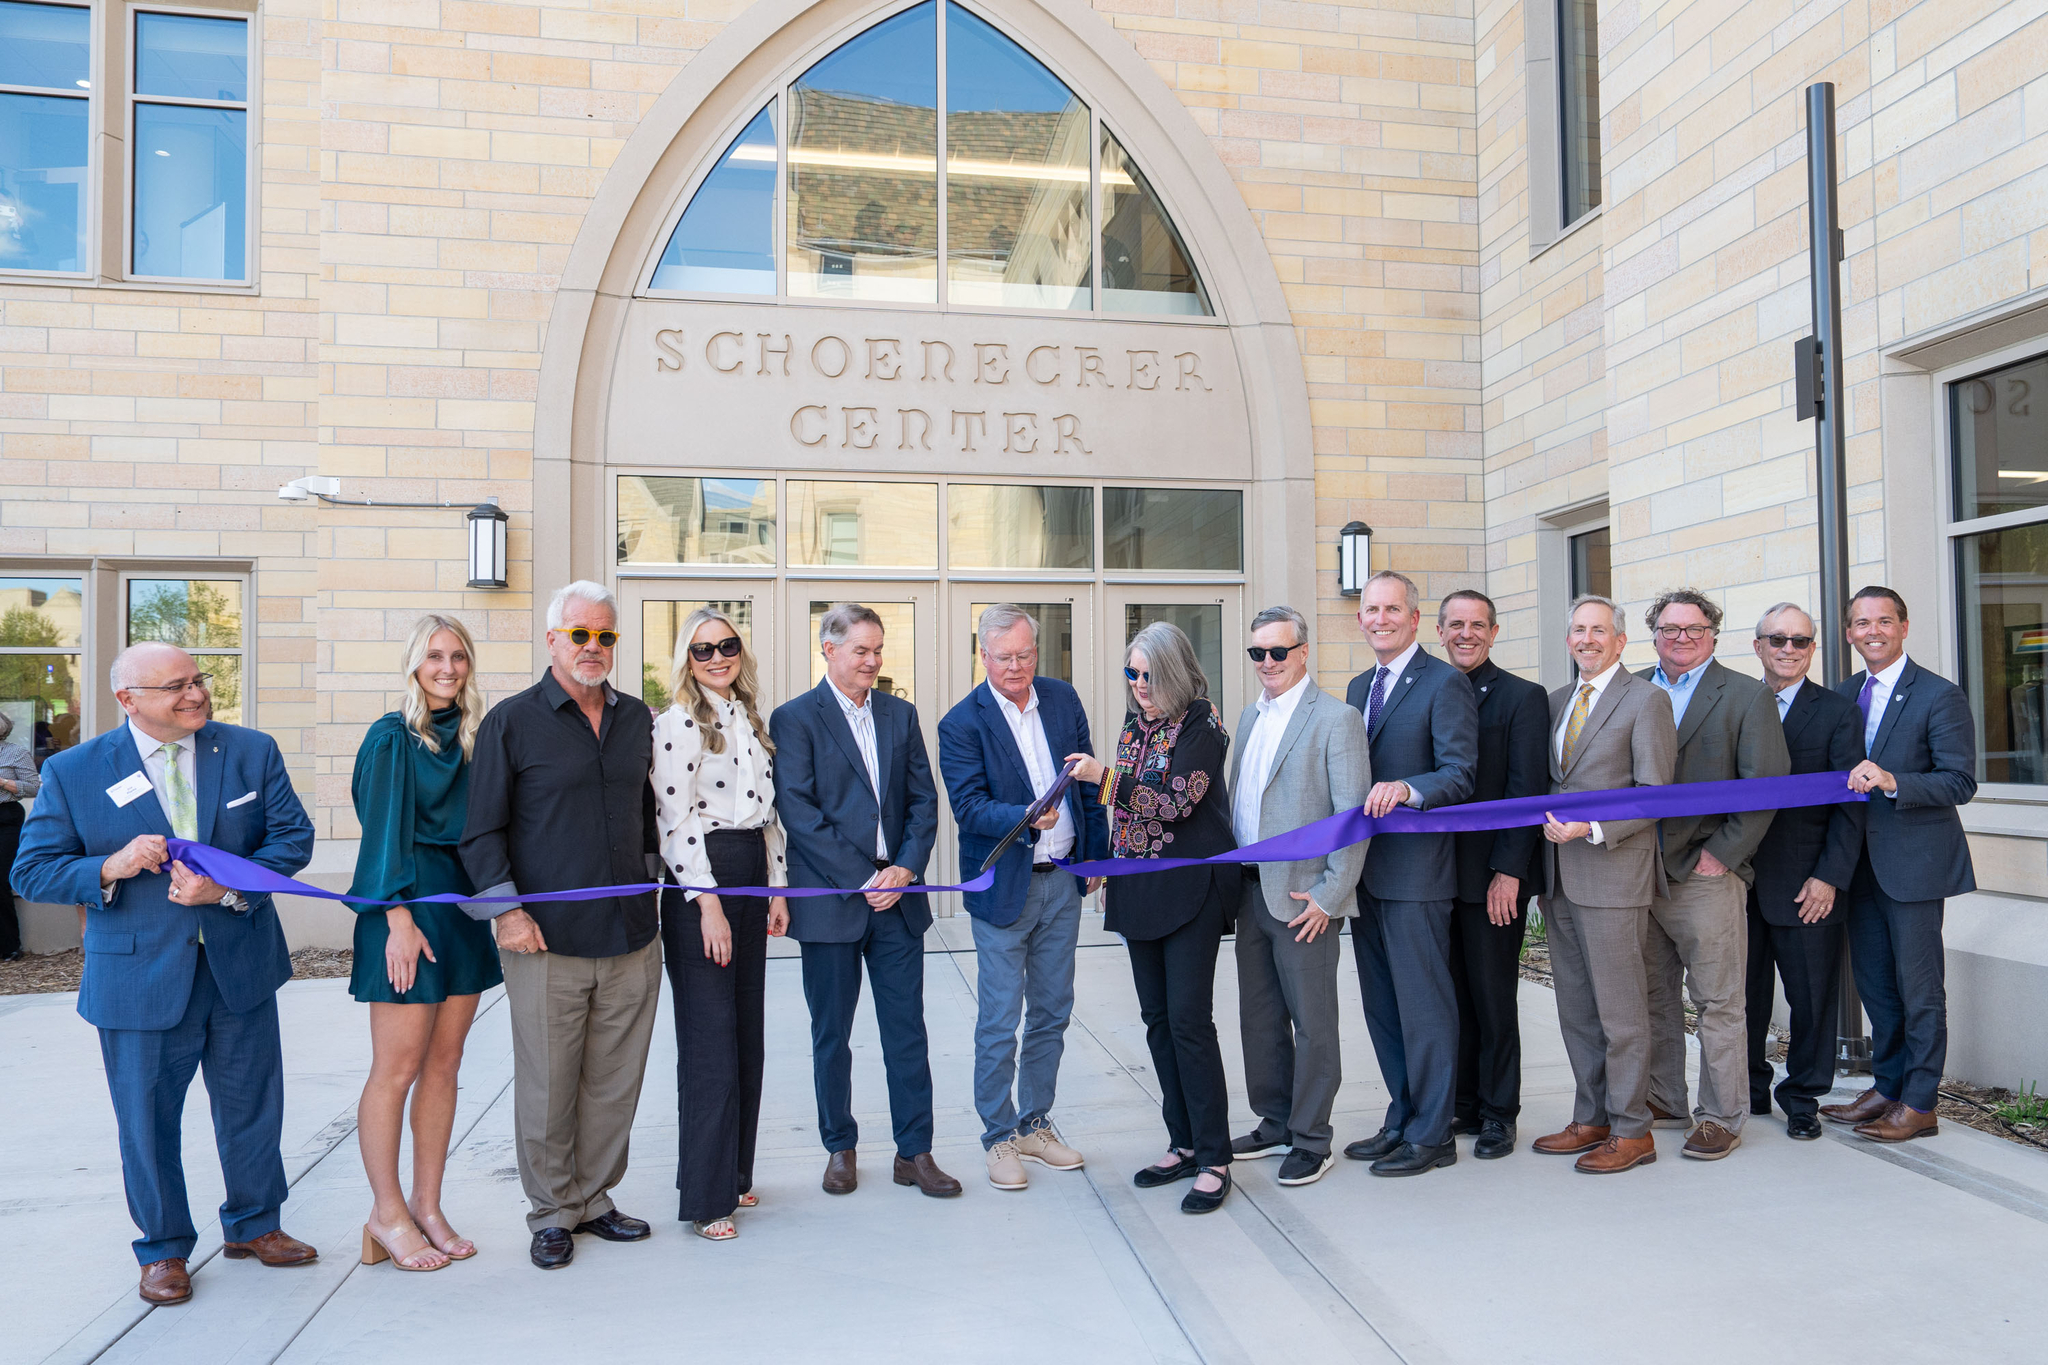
(1428, 737)
(1927, 741)
(1514, 760)
(1188, 804)
(1824, 734)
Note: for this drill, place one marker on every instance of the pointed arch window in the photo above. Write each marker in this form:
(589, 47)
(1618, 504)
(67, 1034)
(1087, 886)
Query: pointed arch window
(931, 160)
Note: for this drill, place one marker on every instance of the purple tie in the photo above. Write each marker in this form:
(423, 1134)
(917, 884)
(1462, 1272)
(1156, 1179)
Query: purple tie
(1864, 698)
(1379, 699)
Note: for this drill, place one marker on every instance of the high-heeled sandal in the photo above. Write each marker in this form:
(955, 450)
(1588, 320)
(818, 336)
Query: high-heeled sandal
(375, 1252)
(454, 1239)
(749, 1200)
(717, 1229)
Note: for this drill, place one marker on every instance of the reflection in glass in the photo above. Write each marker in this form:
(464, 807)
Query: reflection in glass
(2002, 600)
(1203, 624)
(1145, 269)
(47, 46)
(191, 207)
(696, 521)
(2000, 441)
(39, 693)
(42, 181)
(1592, 557)
(188, 57)
(875, 525)
(1019, 526)
(659, 624)
(898, 677)
(864, 161)
(1186, 529)
(1016, 175)
(1055, 639)
(1578, 70)
(41, 612)
(226, 685)
(187, 612)
(725, 242)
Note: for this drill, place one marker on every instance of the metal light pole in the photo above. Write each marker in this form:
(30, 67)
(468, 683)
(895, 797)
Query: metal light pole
(1818, 376)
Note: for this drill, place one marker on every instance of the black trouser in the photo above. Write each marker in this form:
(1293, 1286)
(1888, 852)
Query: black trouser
(1176, 981)
(10, 841)
(1809, 959)
(718, 1014)
(1486, 971)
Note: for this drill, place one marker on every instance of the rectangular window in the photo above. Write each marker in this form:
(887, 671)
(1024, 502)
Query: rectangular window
(1055, 640)
(898, 677)
(1019, 526)
(2000, 441)
(42, 652)
(1187, 530)
(1592, 561)
(45, 133)
(695, 521)
(661, 623)
(1202, 623)
(203, 617)
(189, 140)
(867, 525)
(1578, 84)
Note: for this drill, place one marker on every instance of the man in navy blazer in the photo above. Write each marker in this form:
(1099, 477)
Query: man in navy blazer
(1920, 765)
(1000, 750)
(854, 789)
(1423, 728)
(180, 972)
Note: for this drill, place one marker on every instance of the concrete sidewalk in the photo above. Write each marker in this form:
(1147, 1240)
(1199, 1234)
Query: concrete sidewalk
(1786, 1251)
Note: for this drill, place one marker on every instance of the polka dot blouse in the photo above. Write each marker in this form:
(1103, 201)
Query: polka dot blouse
(697, 792)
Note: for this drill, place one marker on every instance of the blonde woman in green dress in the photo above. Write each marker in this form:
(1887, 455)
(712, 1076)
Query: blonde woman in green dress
(420, 968)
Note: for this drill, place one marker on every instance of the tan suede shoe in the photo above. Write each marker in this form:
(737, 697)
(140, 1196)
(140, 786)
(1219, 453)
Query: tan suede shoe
(1040, 1144)
(1005, 1171)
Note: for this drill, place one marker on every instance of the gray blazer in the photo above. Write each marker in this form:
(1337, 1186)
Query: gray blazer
(1321, 766)
(1731, 729)
(1628, 740)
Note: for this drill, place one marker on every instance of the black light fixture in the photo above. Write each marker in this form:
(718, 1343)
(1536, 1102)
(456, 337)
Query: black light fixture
(1354, 558)
(487, 523)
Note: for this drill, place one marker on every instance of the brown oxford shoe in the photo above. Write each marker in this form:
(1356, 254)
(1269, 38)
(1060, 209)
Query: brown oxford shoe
(272, 1248)
(924, 1173)
(840, 1175)
(1899, 1123)
(1577, 1137)
(165, 1282)
(1862, 1109)
(1618, 1154)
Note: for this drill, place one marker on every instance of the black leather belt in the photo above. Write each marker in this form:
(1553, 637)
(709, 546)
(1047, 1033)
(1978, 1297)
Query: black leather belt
(1250, 871)
(881, 864)
(1037, 868)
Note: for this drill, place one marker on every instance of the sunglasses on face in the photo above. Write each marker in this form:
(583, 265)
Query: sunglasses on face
(1796, 641)
(1133, 675)
(1279, 652)
(702, 650)
(605, 638)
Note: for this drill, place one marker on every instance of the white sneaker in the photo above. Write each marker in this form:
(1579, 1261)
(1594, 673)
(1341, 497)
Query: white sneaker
(1039, 1143)
(1005, 1172)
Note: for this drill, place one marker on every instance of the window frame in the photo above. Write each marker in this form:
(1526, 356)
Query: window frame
(1543, 72)
(87, 608)
(90, 209)
(197, 573)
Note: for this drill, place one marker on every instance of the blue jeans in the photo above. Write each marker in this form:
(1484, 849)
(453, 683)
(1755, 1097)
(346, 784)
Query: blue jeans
(1028, 963)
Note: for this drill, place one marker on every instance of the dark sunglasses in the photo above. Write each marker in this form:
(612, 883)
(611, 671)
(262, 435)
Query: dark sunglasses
(703, 650)
(1133, 675)
(1279, 652)
(605, 638)
(1780, 641)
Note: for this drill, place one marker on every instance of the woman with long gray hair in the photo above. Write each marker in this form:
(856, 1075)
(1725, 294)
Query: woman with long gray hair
(18, 780)
(1166, 800)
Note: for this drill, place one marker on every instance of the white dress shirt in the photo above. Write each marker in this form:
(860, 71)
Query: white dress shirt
(154, 764)
(1394, 672)
(1880, 697)
(1786, 697)
(696, 791)
(862, 719)
(1256, 767)
(1027, 727)
(1592, 702)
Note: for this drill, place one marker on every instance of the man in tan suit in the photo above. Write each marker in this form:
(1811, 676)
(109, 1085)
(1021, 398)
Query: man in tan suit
(1610, 729)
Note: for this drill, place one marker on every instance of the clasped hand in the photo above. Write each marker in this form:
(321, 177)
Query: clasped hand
(881, 894)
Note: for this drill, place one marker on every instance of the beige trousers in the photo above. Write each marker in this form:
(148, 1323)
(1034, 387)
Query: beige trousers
(580, 1029)
(1697, 942)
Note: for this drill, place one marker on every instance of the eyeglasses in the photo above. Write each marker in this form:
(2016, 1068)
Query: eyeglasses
(1780, 641)
(1133, 675)
(702, 650)
(1689, 632)
(202, 681)
(605, 638)
(1279, 652)
(1026, 656)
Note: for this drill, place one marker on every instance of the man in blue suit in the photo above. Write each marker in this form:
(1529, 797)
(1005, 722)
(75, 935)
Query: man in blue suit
(1000, 750)
(854, 789)
(180, 972)
(1921, 764)
(1422, 723)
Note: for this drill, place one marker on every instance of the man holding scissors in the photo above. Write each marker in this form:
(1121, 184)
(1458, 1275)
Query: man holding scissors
(996, 755)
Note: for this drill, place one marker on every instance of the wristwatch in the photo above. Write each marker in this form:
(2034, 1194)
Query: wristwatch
(234, 901)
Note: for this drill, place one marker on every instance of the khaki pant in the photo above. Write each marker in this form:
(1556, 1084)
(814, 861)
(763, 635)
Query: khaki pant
(1596, 962)
(1698, 941)
(580, 1029)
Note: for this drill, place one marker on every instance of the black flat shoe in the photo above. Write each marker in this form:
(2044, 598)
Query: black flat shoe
(1152, 1177)
(1374, 1147)
(1196, 1201)
(614, 1226)
(1496, 1140)
(552, 1248)
(1802, 1127)
(1413, 1159)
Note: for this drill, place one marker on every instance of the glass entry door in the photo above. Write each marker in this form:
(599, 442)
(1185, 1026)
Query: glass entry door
(652, 612)
(1212, 616)
(1066, 643)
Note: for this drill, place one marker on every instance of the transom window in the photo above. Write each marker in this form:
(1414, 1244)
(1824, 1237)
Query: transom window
(932, 160)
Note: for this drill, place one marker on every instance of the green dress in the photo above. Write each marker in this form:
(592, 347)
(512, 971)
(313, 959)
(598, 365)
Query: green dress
(412, 804)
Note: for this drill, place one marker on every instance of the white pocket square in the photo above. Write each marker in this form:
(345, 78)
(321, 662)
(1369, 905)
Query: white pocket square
(241, 800)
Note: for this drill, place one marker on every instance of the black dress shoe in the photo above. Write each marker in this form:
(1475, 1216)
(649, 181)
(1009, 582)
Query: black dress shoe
(1496, 1140)
(1466, 1127)
(1252, 1145)
(1413, 1159)
(552, 1248)
(1802, 1127)
(1759, 1106)
(1304, 1167)
(1199, 1201)
(1152, 1177)
(614, 1226)
(1374, 1147)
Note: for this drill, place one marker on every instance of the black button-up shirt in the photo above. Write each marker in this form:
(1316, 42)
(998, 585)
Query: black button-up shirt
(554, 806)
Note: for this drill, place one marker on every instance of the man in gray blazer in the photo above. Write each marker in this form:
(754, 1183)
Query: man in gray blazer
(1300, 757)
(1610, 729)
(1698, 935)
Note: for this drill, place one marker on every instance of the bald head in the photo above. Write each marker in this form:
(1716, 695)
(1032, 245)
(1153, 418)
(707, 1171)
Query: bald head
(162, 690)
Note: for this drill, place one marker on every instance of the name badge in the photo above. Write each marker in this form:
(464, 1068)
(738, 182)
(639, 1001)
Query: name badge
(128, 788)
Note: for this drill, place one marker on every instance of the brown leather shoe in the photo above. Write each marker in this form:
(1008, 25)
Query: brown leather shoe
(1899, 1123)
(1862, 1109)
(1660, 1118)
(1577, 1137)
(924, 1173)
(1710, 1142)
(165, 1282)
(272, 1248)
(1618, 1154)
(840, 1175)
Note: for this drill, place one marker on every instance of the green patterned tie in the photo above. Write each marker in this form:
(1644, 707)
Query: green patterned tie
(184, 811)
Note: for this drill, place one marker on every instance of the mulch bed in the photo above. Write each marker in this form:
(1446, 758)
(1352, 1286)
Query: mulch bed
(43, 973)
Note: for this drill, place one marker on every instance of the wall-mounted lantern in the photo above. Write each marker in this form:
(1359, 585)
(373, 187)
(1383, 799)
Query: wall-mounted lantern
(487, 523)
(1354, 558)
